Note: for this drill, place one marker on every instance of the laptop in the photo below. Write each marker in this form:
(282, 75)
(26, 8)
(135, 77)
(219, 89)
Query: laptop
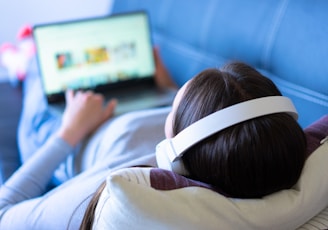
(112, 55)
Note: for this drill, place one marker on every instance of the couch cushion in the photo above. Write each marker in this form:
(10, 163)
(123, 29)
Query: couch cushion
(147, 197)
(130, 202)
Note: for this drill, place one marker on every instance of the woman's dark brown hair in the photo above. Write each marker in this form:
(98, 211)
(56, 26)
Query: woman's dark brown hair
(248, 160)
(89, 214)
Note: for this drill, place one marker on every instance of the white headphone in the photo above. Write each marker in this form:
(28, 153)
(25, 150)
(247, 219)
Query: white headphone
(170, 151)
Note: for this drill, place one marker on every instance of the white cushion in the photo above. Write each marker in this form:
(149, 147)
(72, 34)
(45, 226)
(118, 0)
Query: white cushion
(129, 202)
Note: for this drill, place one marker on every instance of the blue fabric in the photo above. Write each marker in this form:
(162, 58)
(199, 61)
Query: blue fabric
(302, 58)
(284, 39)
(37, 123)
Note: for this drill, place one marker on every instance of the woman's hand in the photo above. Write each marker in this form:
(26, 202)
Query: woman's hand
(84, 113)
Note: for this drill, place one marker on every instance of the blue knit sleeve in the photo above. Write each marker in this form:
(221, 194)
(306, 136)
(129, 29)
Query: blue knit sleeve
(32, 178)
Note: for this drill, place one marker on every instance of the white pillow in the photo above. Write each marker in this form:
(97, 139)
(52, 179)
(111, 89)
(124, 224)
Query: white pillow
(129, 202)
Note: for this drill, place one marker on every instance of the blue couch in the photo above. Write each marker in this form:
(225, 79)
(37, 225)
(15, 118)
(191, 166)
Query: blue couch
(286, 40)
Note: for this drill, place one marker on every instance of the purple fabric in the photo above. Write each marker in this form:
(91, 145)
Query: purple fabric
(166, 180)
(315, 133)
(162, 179)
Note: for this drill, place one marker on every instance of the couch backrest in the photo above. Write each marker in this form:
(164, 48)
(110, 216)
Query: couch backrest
(284, 39)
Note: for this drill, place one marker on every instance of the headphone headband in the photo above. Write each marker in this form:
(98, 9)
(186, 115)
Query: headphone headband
(225, 118)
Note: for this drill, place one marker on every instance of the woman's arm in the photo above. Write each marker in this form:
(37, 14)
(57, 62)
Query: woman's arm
(32, 178)
(85, 111)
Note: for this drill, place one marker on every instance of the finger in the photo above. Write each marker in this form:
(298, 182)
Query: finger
(88, 92)
(98, 96)
(156, 55)
(78, 95)
(69, 95)
(110, 108)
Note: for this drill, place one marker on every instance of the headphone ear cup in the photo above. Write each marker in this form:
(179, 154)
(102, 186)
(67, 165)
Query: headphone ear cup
(162, 156)
(163, 152)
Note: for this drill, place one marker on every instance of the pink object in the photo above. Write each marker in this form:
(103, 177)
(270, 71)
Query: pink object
(7, 46)
(16, 58)
(25, 32)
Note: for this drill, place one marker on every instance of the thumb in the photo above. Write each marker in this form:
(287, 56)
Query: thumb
(110, 108)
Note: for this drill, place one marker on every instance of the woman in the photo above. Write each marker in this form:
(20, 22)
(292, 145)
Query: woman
(248, 160)
(239, 160)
